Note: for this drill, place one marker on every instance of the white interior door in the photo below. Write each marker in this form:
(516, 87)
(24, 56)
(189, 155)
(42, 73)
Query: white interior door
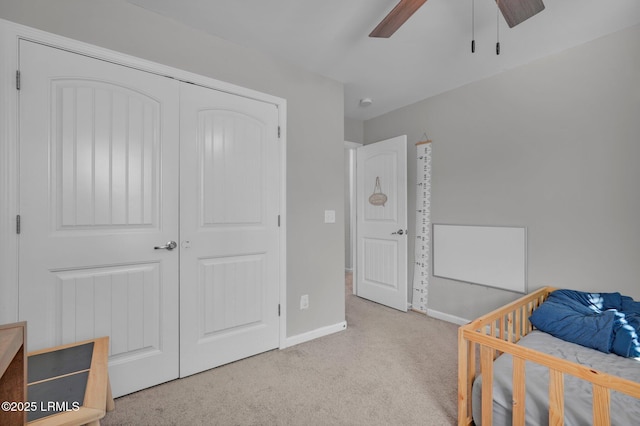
(229, 265)
(381, 271)
(98, 190)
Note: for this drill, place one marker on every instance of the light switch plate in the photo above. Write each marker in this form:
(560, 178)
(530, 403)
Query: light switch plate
(329, 216)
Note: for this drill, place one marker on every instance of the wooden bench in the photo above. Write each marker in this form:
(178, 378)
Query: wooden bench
(69, 384)
(13, 372)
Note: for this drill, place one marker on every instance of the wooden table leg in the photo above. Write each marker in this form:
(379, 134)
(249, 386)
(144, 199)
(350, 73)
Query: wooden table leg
(111, 405)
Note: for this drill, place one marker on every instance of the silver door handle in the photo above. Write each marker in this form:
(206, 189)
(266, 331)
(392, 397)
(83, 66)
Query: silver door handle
(169, 246)
(398, 232)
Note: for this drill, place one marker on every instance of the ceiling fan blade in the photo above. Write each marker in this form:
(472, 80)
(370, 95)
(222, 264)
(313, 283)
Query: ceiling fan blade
(516, 11)
(396, 18)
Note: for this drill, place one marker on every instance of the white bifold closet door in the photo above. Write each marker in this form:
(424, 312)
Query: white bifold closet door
(98, 190)
(229, 260)
(101, 186)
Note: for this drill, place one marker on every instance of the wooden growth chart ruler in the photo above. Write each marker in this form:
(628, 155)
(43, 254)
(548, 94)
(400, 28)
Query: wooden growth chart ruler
(423, 227)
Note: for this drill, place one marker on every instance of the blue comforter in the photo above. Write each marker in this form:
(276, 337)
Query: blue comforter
(608, 322)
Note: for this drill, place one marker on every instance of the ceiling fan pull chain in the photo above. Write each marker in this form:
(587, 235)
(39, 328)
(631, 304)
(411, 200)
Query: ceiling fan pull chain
(497, 27)
(473, 26)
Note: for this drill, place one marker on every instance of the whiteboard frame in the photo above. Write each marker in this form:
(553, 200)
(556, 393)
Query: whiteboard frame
(519, 287)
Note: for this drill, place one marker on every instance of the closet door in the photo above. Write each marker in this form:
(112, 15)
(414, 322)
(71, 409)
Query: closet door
(98, 191)
(229, 206)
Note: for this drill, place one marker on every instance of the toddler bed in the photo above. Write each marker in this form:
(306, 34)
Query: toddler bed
(510, 373)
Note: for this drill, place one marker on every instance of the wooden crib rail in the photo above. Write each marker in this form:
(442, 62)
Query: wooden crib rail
(511, 322)
(496, 333)
(508, 323)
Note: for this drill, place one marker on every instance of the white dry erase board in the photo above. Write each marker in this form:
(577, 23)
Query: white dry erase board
(495, 256)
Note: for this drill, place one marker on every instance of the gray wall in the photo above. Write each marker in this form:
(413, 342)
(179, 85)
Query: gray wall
(315, 150)
(353, 130)
(554, 146)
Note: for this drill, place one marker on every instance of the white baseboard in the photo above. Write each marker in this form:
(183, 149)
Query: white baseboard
(447, 317)
(314, 334)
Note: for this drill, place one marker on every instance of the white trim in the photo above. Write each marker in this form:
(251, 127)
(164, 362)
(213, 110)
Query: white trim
(447, 317)
(10, 34)
(20, 32)
(283, 223)
(353, 205)
(8, 175)
(352, 145)
(314, 334)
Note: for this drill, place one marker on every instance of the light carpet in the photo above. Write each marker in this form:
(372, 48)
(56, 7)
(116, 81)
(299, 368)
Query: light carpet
(386, 368)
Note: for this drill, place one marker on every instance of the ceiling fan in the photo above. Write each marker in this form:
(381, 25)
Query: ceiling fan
(514, 12)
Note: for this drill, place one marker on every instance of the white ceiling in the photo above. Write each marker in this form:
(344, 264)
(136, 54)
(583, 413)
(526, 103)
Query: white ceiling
(429, 54)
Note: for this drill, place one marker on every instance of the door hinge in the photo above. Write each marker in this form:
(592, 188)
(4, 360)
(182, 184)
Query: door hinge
(18, 225)
(18, 80)
(278, 309)
(278, 132)
(278, 221)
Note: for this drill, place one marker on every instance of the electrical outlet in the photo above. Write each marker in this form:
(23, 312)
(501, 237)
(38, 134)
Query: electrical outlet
(304, 301)
(329, 216)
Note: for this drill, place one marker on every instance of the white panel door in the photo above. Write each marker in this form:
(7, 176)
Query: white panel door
(98, 190)
(229, 262)
(381, 271)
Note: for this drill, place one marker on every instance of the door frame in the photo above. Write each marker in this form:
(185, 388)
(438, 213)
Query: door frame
(352, 148)
(10, 34)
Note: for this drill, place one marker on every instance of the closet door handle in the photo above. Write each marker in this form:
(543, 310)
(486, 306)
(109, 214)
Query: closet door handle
(169, 246)
(398, 232)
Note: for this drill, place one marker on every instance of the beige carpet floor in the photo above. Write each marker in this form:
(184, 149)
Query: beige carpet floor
(386, 368)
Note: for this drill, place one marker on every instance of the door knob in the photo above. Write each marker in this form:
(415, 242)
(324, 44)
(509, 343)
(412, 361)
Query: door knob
(398, 232)
(169, 246)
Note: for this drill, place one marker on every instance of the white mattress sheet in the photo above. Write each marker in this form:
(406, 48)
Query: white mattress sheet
(625, 410)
